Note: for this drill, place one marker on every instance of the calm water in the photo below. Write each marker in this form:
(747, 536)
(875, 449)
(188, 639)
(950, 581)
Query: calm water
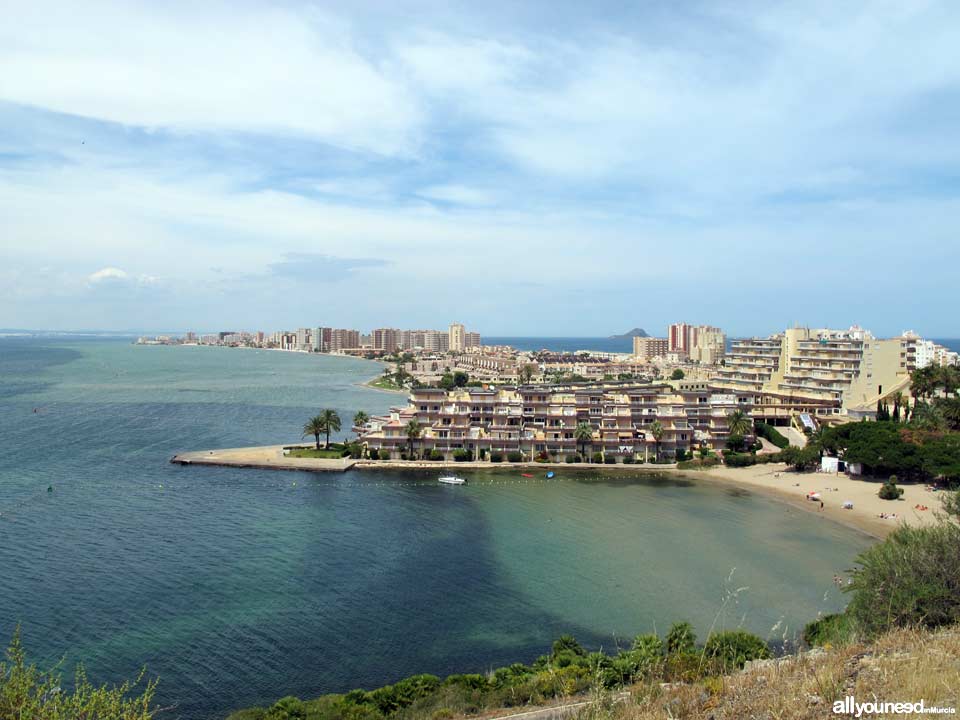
(239, 586)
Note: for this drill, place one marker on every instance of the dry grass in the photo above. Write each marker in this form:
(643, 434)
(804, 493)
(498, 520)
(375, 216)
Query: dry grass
(902, 666)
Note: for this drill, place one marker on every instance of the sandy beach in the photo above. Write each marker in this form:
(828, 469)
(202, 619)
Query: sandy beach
(790, 486)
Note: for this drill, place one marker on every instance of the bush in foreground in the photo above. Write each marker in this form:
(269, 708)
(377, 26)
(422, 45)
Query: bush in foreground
(910, 579)
(731, 650)
(27, 692)
(567, 670)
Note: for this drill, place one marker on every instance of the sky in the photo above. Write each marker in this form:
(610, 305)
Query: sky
(525, 168)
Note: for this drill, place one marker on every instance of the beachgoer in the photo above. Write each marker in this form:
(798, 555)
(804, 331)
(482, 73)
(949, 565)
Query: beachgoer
(821, 504)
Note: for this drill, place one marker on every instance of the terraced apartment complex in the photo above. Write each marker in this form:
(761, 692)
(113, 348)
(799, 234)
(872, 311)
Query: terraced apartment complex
(542, 420)
(821, 372)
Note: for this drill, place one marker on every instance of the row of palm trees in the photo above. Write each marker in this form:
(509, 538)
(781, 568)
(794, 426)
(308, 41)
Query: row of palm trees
(328, 421)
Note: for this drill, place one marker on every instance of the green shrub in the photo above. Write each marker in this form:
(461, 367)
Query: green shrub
(598, 457)
(567, 643)
(462, 455)
(287, 708)
(573, 458)
(610, 459)
(739, 459)
(770, 433)
(435, 454)
(373, 453)
(496, 456)
(889, 490)
(30, 693)
(911, 578)
(515, 456)
(681, 638)
(628, 460)
(732, 649)
(471, 681)
(836, 629)
(686, 667)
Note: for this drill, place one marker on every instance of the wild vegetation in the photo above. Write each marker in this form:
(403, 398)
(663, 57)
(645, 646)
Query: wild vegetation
(29, 693)
(568, 669)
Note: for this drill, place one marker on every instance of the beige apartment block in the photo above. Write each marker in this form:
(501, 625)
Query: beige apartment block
(541, 421)
(648, 348)
(458, 337)
(823, 372)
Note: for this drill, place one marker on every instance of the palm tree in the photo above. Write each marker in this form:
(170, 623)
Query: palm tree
(360, 419)
(331, 422)
(316, 427)
(414, 431)
(949, 378)
(526, 374)
(923, 382)
(656, 429)
(583, 435)
(739, 423)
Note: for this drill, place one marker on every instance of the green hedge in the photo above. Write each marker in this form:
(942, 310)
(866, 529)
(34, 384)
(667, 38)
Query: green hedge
(771, 433)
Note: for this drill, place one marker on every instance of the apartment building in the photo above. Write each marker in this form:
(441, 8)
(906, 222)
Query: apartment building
(458, 340)
(702, 344)
(341, 339)
(823, 372)
(386, 339)
(648, 348)
(543, 420)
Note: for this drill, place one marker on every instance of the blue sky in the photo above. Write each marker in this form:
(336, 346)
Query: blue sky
(547, 169)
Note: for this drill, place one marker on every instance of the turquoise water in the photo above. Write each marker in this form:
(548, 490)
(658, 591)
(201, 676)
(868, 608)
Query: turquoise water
(239, 586)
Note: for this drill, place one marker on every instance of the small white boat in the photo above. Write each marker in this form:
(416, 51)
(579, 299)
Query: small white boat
(452, 480)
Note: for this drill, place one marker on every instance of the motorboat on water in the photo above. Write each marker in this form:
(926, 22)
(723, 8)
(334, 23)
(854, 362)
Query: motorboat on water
(452, 480)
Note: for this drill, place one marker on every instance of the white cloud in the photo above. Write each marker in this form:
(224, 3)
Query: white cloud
(457, 195)
(231, 66)
(107, 273)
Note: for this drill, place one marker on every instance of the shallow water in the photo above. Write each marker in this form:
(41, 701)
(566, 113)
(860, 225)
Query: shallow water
(239, 586)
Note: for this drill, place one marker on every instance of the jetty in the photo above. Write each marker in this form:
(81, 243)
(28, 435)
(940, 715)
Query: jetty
(267, 457)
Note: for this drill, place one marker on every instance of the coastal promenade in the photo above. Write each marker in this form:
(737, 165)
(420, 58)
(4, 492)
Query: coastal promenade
(774, 480)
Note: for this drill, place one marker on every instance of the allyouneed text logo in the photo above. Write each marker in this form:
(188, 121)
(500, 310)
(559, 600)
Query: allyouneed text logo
(849, 706)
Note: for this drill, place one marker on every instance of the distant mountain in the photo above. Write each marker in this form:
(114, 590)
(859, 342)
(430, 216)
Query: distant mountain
(636, 332)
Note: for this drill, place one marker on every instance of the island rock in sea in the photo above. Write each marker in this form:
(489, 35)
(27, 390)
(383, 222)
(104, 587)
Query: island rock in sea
(636, 332)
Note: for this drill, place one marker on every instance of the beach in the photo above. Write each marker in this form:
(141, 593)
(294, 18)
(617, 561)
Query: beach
(835, 489)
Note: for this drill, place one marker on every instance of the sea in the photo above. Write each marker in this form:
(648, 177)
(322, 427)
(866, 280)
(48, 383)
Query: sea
(236, 587)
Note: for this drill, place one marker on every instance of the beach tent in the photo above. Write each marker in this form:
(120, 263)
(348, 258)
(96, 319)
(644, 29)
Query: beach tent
(829, 464)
